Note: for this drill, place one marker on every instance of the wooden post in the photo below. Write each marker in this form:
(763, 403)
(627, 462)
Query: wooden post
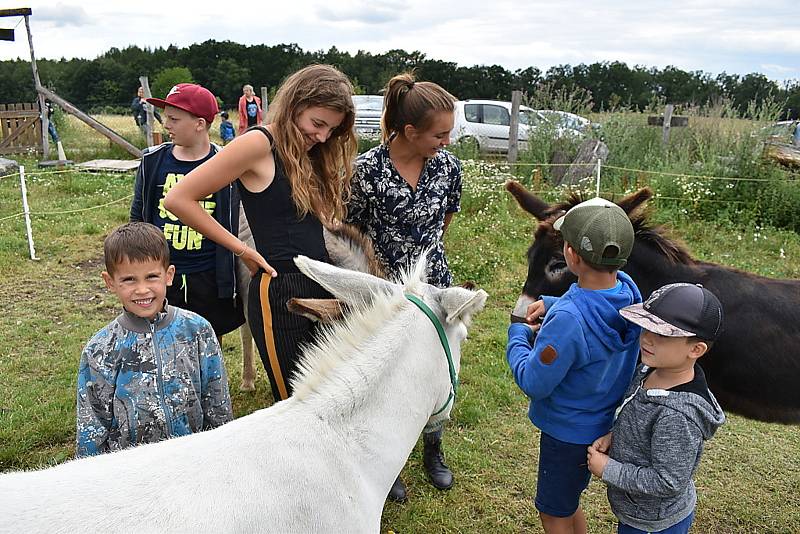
(38, 85)
(513, 129)
(667, 123)
(264, 105)
(100, 127)
(149, 108)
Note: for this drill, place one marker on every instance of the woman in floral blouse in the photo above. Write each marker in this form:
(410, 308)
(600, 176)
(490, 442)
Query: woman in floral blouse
(404, 195)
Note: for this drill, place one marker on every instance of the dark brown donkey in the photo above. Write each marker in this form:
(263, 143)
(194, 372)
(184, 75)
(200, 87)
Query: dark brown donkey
(754, 368)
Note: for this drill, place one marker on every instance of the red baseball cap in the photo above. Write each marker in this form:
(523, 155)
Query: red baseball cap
(191, 98)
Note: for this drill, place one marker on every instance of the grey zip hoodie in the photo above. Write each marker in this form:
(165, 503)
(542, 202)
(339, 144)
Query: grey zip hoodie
(655, 450)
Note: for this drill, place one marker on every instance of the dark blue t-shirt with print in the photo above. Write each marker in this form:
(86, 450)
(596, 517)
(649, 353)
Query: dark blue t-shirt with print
(252, 113)
(189, 250)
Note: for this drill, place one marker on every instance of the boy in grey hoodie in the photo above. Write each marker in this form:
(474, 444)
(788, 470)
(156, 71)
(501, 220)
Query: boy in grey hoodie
(653, 450)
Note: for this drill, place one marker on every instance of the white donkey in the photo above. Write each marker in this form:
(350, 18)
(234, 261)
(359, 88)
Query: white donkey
(321, 461)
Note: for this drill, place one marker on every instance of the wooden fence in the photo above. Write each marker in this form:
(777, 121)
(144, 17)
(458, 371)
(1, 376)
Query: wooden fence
(20, 128)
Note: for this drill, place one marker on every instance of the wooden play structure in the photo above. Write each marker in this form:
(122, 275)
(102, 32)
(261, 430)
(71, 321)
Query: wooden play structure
(33, 120)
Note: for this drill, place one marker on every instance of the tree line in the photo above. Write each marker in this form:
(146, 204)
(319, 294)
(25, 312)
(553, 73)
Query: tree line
(110, 80)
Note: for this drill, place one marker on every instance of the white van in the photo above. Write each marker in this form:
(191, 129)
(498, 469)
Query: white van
(368, 115)
(485, 124)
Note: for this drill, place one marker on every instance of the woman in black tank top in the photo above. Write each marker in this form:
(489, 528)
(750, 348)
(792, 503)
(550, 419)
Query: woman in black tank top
(292, 175)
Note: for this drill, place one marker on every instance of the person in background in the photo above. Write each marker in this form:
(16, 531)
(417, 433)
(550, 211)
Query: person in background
(51, 128)
(226, 129)
(139, 109)
(249, 109)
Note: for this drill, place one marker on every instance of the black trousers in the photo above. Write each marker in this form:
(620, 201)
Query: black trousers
(197, 292)
(279, 334)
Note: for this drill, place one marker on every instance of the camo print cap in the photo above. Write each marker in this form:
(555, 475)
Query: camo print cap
(679, 310)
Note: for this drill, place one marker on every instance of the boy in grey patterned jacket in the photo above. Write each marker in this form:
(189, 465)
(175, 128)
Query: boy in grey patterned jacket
(156, 371)
(653, 450)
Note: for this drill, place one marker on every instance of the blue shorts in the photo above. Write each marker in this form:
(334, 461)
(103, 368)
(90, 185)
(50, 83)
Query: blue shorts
(563, 475)
(677, 528)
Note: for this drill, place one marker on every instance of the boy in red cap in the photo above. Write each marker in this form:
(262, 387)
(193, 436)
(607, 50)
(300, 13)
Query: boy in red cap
(205, 273)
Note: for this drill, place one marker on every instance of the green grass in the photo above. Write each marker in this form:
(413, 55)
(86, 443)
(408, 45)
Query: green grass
(749, 475)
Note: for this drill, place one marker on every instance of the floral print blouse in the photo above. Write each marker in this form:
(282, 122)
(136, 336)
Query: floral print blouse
(401, 221)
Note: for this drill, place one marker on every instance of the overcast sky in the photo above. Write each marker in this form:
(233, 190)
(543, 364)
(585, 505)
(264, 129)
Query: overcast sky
(714, 36)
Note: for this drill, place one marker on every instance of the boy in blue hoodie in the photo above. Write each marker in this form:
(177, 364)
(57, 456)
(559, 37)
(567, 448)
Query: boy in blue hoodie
(226, 130)
(576, 364)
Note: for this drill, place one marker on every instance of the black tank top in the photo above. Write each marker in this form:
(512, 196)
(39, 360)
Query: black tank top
(278, 232)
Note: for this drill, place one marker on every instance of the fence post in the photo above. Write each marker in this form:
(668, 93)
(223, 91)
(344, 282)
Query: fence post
(599, 162)
(149, 108)
(667, 123)
(27, 211)
(513, 128)
(264, 105)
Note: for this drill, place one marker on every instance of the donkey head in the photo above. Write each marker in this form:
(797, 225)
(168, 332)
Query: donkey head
(547, 269)
(456, 305)
(452, 308)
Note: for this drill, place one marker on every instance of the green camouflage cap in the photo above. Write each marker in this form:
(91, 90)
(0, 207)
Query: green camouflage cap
(593, 226)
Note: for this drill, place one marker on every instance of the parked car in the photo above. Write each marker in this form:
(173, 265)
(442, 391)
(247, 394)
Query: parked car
(485, 124)
(368, 115)
(782, 142)
(566, 123)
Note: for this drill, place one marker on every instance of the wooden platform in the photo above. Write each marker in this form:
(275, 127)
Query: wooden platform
(56, 163)
(109, 165)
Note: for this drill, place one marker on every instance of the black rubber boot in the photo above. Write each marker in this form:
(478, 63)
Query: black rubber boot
(440, 475)
(398, 491)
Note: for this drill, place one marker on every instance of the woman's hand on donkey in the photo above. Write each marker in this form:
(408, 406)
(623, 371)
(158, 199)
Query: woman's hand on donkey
(255, 261)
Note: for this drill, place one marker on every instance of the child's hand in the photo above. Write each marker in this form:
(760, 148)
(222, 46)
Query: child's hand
(603, 443)
(534, 313)
(596, 461)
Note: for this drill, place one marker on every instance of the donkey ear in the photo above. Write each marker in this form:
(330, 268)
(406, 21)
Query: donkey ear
(632, 202)
(528, 201)
(459, 304)
(351, 287)
(350, 248)
(322, 310)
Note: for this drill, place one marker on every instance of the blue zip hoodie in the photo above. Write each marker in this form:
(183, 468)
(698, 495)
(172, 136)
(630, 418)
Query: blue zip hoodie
(582, 360)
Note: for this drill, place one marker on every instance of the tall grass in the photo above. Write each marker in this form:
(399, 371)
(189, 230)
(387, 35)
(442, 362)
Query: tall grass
(714, 168)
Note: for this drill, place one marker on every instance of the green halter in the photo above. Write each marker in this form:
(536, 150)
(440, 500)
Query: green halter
(445, 345)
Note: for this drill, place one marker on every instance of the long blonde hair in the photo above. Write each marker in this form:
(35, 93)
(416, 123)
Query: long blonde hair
(407, 101)
(320, 177)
